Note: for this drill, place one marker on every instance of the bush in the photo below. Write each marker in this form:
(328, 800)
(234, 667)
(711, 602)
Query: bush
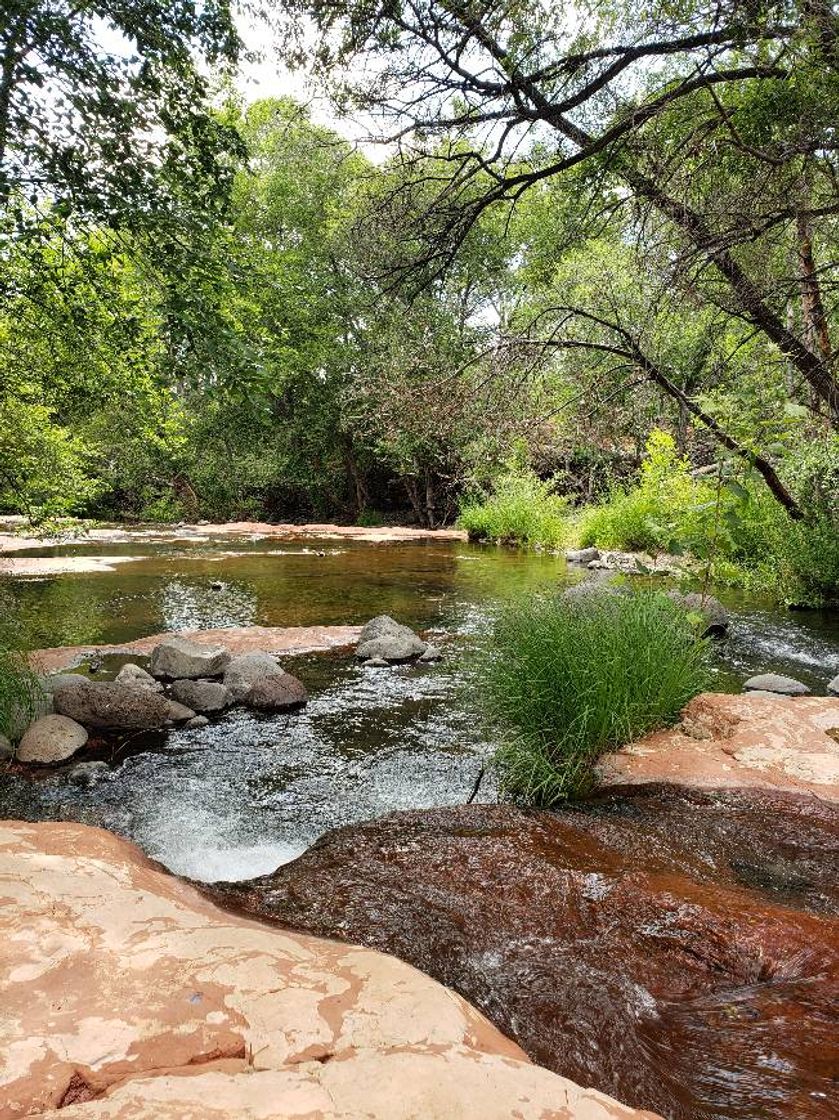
(522, 510)
(19, 693)
(567, 679)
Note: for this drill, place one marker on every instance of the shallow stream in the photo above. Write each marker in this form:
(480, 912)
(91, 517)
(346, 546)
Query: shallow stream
(234, 799)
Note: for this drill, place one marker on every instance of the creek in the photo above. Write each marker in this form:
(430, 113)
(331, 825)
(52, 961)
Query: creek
(674, 949)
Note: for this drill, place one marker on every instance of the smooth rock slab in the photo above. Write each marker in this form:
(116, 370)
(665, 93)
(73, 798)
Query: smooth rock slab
(51, 738)
(775, 742)
(181, 658)
(202, 696)
(107, 705)
(774, 682)
(121, 980)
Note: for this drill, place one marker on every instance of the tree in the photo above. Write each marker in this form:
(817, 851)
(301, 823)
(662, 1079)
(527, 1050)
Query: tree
(715, 122)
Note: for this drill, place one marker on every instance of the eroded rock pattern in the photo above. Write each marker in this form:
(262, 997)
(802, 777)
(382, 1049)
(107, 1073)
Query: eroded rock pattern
(678, 950)
(771, 742)
(128, 995)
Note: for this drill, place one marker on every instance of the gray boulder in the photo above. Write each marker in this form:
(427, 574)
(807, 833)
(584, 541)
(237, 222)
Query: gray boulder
(137, 677)
(62, 680)
(51, 738)
(431, 654)
(196, 722)
(774, 682)
(245, 670)
(279, 693)
(201, 696)
(111, 706)
(183, 659)
(383, 637)
(711, 609)
(178, 713)
(582, 555)
(833, 686)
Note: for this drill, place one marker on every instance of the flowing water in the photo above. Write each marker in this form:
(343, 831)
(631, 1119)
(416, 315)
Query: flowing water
(672, 949)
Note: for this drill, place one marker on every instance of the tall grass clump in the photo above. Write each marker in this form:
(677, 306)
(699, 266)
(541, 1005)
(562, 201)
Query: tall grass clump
(566, 679)
(522, 510)
(19, 693)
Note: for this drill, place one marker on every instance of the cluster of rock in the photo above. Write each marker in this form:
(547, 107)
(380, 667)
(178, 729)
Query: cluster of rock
(186, 684)
(774, 684)
(384, 641)
(597, 559)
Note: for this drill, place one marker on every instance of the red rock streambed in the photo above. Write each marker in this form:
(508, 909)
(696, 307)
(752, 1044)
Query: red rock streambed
(676, 949)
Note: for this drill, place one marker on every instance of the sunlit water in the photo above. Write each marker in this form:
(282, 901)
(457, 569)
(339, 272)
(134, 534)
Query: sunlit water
(237, 798)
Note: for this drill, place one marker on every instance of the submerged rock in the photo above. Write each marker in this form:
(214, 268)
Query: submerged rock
(110, 706)
(86, 774)
(386, 639)
(196, 722)
(128, 995)
(278, 693)
(582, 555)
(774, 682)
(245, 670)
(655, 947)
(202, 696)
(181, 658)
(52, 738)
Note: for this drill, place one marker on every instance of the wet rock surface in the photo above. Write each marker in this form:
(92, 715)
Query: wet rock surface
(130, 997)
(677, 949)
(110, 706)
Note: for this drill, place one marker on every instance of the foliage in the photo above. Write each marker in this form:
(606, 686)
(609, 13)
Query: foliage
(567, 678)
(522, 509)
(19, 693)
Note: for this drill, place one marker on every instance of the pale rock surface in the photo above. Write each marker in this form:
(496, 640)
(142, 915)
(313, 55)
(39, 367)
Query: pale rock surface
(128, 996)
(833, 686)
(52, 738)
(245, 670)
(385, 638)
(774, 682)
(182, 658)
(773, 742)
(137, 676)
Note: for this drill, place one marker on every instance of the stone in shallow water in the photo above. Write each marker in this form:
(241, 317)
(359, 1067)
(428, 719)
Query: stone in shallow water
(278, 693)
(181, 658)
(107, 705)
(774, 682)
(383, 638)
(52, 738)
(161, 1007)
(202, 696)
(245, 670)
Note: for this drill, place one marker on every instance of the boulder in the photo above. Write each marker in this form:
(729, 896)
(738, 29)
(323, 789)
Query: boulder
(582, 555)
(62, 680)
(202, 696)
(710, 609)
(196, 722)
(52, 738)
(278, 693)
(774, 682)
(431, 654)
(179, 658)
(245, 670)
(126, 994)
(7, 749)
(833, 686)
(383, 637)
(110, 706)
(137, 677)
(178, 713)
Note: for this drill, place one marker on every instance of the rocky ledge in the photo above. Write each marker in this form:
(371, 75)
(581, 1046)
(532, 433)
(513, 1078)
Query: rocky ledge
(128, 995)
(758, 740)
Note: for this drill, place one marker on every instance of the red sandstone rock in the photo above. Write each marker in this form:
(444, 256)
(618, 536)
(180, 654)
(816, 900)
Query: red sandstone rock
(783, 743)
(655, 946)
(128, 996)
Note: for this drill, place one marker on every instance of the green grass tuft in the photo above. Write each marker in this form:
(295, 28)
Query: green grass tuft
(20, 692)
(521, 510)
(567, 679)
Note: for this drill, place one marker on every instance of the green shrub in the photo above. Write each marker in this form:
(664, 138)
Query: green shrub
(19, 693)
(566, 679)
(369, 519)
(522, 509)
